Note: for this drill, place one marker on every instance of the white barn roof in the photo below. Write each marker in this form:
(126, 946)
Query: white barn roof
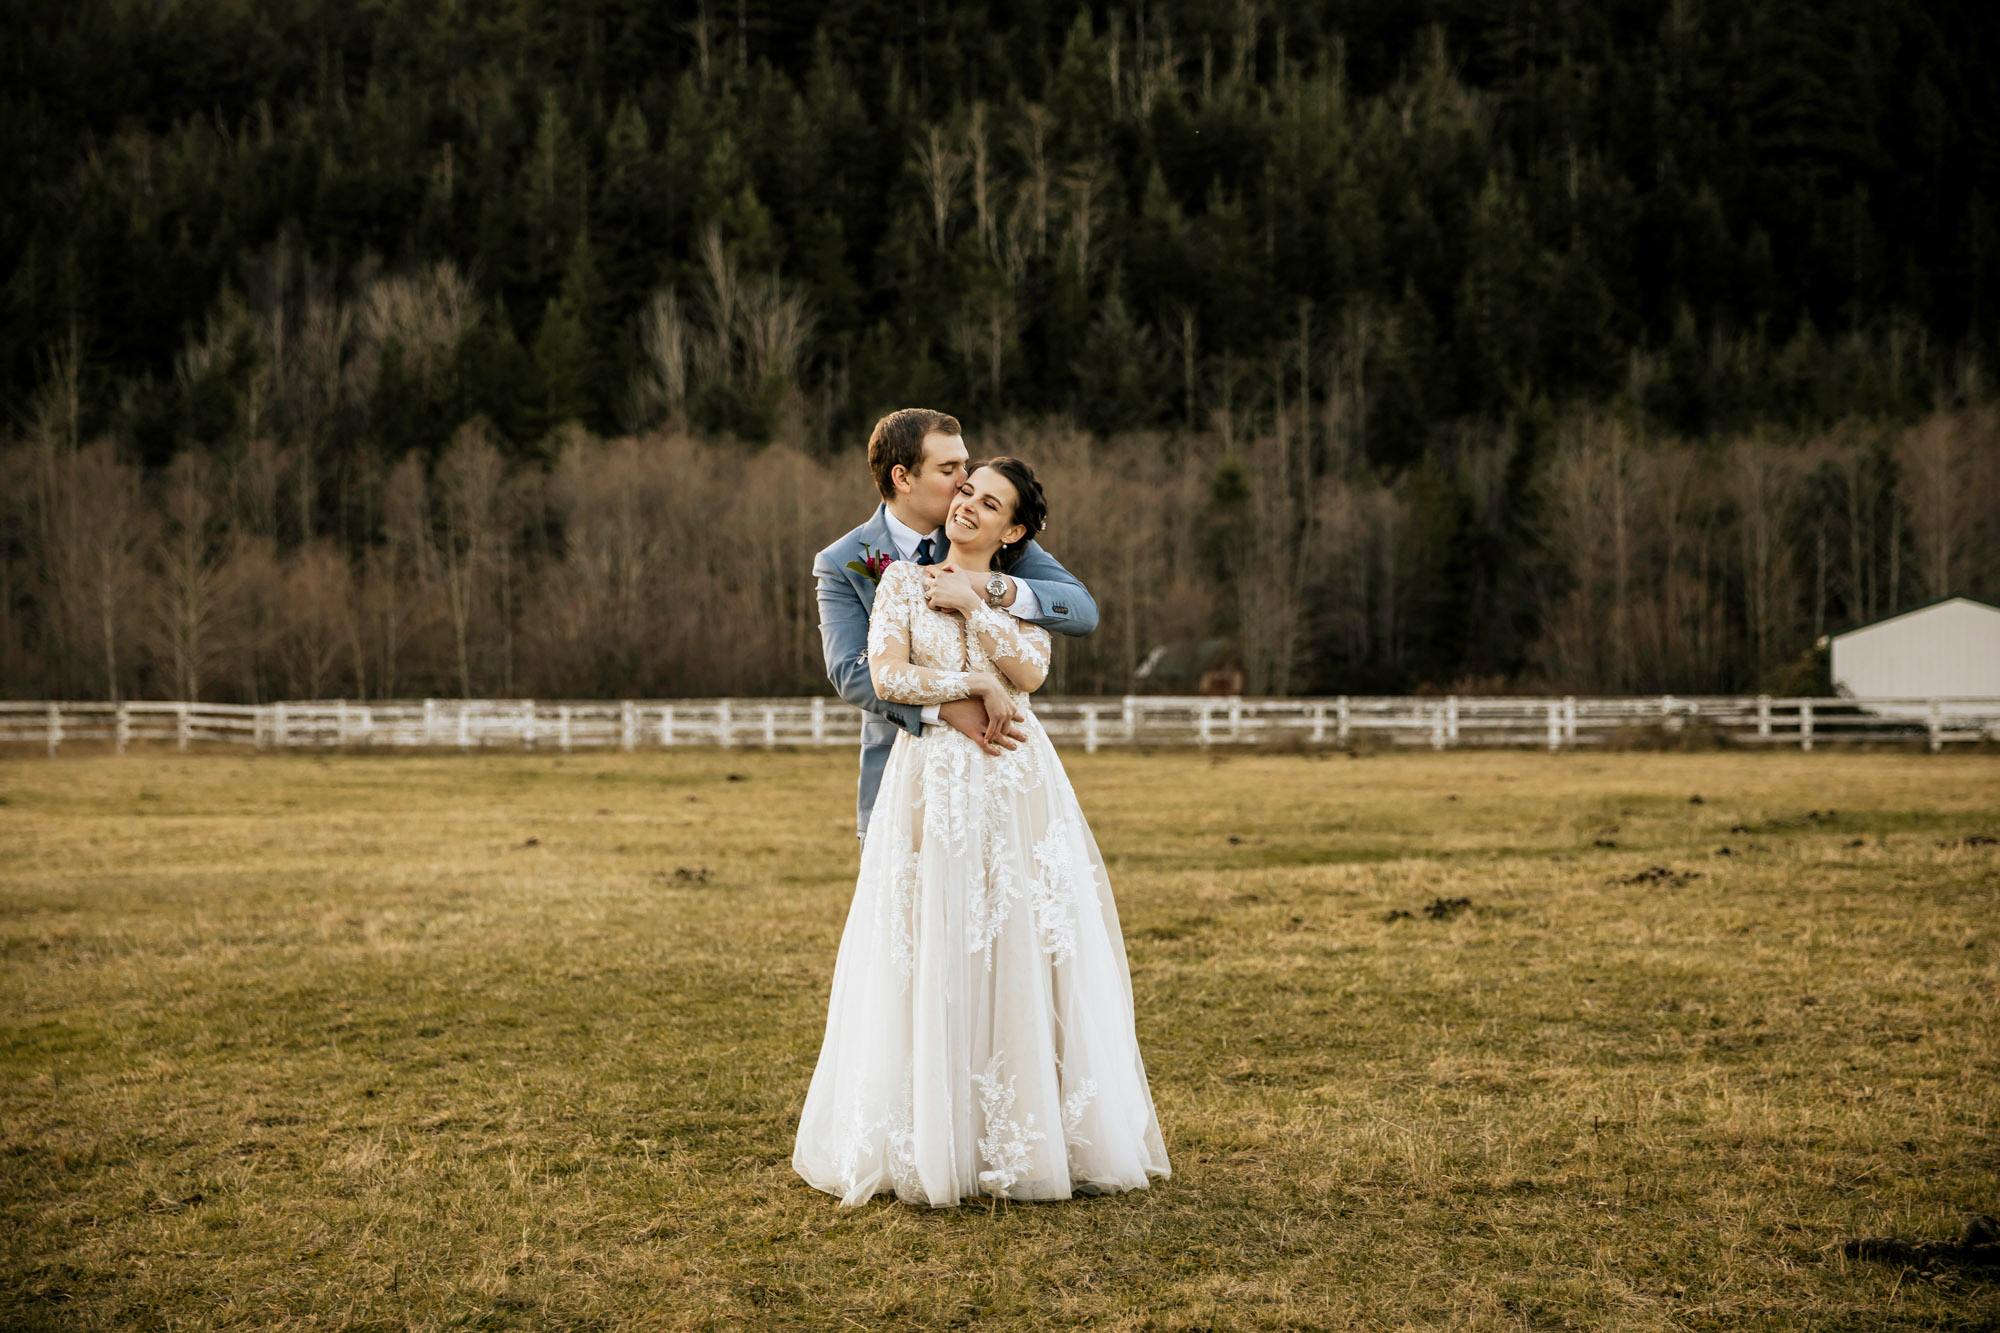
(1949, 649)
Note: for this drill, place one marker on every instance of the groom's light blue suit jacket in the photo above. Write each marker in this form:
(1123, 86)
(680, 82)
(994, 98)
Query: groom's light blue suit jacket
(847, 596)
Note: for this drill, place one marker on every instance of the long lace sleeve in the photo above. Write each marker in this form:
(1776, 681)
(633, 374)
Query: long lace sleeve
(1019, 649)
(895, 677)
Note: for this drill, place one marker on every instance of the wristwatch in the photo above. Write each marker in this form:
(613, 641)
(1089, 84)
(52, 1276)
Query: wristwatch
(996, 588)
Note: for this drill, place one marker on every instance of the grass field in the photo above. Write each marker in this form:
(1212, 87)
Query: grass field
(518, 1042)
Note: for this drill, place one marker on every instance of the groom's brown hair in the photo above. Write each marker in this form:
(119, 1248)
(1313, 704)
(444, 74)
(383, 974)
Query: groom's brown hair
(898, 441)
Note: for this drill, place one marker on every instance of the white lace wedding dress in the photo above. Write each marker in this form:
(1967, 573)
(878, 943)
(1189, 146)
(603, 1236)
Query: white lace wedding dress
(979, 1040)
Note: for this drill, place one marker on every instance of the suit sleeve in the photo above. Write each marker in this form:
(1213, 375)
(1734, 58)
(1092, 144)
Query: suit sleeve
(1067, 606)
(843, 640)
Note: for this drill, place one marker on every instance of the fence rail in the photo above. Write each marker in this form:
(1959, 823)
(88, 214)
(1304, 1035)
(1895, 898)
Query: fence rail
(1448, 722)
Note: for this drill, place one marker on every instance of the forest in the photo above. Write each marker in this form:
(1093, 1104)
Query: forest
(508, 347)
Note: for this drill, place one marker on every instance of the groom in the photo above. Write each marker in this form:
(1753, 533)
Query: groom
(918, 458)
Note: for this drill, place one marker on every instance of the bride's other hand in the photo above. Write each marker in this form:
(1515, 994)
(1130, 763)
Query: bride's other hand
(949, 588)
(991, 692)
(967, 717)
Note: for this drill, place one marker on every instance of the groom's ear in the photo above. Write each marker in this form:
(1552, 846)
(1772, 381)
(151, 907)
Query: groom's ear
(900, 478)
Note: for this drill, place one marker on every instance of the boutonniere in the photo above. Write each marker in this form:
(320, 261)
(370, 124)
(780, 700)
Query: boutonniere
(872, 563)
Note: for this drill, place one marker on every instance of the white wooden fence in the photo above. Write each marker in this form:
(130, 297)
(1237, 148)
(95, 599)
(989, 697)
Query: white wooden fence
(1447, 722)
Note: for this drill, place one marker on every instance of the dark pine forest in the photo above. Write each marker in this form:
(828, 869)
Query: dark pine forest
(470, 346)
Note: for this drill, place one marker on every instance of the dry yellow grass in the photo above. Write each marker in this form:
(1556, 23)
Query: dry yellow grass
(446, 1042)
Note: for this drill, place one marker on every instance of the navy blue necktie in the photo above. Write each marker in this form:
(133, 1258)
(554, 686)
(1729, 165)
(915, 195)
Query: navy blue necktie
(924, 553)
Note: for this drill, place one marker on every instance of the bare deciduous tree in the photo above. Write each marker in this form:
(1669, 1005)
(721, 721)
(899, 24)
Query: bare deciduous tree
(425, 315)
(187, 575)
(1031, 139)
(660, 386)
(1762, 479)
(97, 547)
(1937, 463)
(467, 523)
(1082, 189)
(398, 577)
(251, 596)
(982, 202)
(939, 167)
(316, 626)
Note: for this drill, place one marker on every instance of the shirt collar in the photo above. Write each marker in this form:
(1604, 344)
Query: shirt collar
(905, 537)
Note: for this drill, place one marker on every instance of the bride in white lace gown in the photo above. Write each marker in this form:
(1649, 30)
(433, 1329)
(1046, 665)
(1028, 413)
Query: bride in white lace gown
(980, 1038)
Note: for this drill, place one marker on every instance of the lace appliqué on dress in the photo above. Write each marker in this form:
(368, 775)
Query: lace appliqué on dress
(913, 685)
(986, 913)
(1064, 883)
(1005, 1147)
(1074, 1106)
(921, 673)
(894, 912)
(895, 1134)
(951, 803)
(1012, 639)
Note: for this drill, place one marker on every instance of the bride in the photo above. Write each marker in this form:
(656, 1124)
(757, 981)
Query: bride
(979, 1040)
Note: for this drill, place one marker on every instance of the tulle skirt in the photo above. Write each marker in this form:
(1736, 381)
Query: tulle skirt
(979, 1040)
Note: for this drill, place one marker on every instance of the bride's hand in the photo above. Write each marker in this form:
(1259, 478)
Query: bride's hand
(992, 694)
(949, 588)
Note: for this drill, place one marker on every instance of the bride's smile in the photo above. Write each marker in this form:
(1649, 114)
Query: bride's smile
(982, 516)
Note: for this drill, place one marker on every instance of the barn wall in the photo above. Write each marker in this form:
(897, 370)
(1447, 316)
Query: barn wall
(1948, 650)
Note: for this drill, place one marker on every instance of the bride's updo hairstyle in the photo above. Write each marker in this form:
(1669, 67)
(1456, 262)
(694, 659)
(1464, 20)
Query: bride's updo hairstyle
(1031, 509)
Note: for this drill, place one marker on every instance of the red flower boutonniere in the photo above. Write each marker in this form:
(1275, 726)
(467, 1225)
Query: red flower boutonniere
(872, 563)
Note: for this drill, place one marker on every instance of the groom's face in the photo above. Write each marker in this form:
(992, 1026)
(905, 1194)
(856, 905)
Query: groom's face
(938, 477)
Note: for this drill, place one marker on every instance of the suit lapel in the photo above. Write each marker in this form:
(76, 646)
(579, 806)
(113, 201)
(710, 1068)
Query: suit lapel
(873, 536)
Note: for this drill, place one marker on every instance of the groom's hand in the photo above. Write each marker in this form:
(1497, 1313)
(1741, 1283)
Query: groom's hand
(949, 588)
(968, 718)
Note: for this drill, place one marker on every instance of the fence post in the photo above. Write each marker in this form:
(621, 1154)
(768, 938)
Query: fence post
(770, 727)
(367, 725)
(340, 724)
(1235, 717)
(464, 728)
(1451, 720)
(819, 720)
(722, 724)
(1763, 717)
(1569, 720)
(562, 727)
(628, 724)
(1437, 727)
(1805, 724)
(1555, 727)
(1089, 729)
(181, 728)
(279, 737)
(527, 724)
(1937, 726)
(122, 725)
(55, 728)
(1342, 735)
(1131, 709)
(667, 724)
(1319, 723)
(1201, 731)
